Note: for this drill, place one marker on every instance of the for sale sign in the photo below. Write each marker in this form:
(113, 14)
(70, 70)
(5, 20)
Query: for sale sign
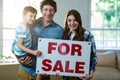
(66, 57)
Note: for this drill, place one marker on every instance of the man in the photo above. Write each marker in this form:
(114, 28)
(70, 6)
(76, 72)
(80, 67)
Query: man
(45, 27)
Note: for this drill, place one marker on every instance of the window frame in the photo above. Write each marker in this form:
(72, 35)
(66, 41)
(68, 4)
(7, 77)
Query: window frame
(3, 27)
(104, 30)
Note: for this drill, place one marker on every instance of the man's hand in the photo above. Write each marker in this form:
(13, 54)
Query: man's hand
(25, 61)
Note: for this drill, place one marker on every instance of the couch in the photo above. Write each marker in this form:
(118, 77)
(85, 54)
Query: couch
(8, 71)
(108, 66)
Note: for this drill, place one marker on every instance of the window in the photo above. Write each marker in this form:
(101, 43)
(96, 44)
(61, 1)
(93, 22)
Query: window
(12, 16)
(105, 23)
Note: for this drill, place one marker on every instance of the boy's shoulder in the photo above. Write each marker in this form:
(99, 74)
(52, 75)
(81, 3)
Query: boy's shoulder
(21, 27)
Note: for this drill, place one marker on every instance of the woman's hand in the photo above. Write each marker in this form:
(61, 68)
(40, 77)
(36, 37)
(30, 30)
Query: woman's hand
(56, 74)
(87, 77)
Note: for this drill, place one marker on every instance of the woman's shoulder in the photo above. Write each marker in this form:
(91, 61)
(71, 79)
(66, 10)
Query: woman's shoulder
(87, 34)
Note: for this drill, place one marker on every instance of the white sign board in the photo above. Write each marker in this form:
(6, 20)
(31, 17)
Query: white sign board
(66, 57)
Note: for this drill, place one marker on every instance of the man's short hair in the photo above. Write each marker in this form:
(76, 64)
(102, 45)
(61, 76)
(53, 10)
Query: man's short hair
(48, 2)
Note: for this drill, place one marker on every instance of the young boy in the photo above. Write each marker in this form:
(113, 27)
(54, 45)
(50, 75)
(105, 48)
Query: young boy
(23, 42)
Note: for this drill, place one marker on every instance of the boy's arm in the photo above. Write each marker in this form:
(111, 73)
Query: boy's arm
(22, 47)
(27, 50)
(26, 61)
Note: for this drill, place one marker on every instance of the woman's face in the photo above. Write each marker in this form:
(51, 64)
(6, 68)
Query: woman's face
(72, 23)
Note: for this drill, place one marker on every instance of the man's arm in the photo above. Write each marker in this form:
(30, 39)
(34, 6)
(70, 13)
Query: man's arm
(27, 61)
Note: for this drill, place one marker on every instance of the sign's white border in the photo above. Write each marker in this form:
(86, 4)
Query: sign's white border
(43, 47)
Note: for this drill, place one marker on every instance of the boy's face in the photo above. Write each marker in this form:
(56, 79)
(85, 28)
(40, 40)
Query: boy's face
(48, 12)
(29, 18)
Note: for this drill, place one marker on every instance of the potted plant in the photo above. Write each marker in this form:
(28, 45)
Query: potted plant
(4, 58)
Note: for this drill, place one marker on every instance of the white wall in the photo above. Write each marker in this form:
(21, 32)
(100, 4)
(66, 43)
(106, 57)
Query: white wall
(83, 6)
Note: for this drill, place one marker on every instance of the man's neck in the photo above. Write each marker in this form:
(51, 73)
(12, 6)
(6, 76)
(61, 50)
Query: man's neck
(46, 23)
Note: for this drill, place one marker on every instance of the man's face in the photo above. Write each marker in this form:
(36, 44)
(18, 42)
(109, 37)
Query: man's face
(48, 13)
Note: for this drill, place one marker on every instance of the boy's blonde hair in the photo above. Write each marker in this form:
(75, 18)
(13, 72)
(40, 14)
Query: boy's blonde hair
(29, 9)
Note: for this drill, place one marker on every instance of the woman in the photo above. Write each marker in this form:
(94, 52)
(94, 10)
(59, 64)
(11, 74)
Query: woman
(75, 31)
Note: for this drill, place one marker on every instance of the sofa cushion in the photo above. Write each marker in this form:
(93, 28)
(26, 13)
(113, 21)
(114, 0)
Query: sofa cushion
(118, 59)
(107, 59)
(106, 73)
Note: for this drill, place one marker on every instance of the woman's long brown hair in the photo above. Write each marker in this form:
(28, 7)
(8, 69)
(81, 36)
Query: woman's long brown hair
(79, 31)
